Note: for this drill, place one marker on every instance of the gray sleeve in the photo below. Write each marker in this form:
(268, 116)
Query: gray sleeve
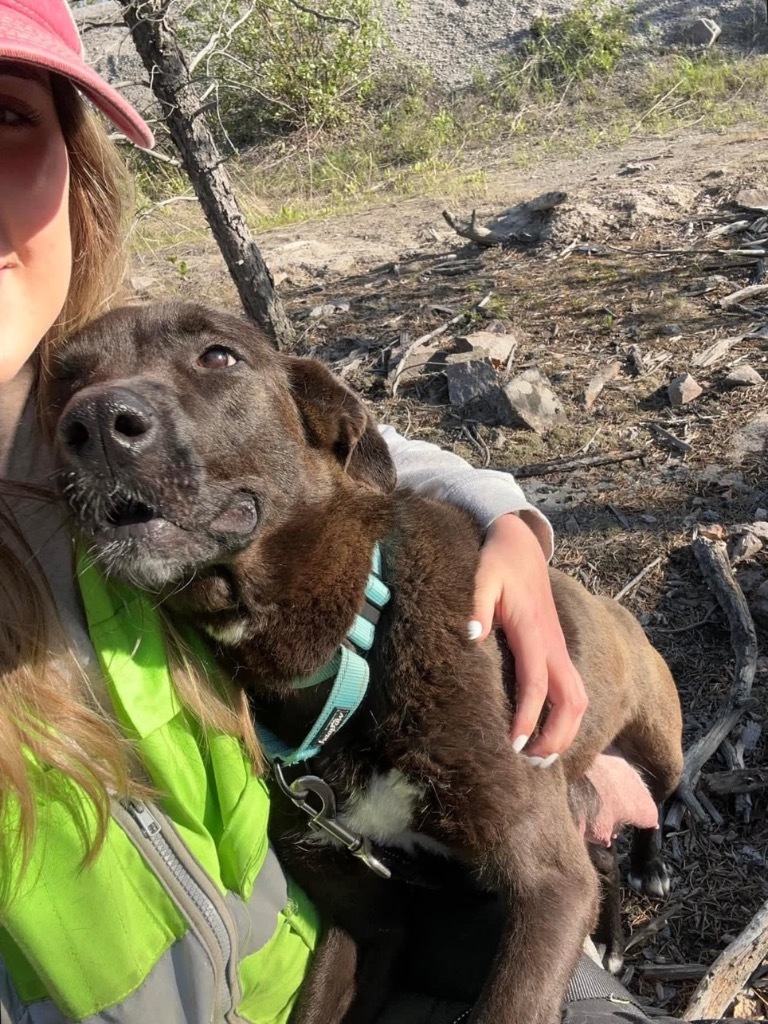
(10, 1007)
(485, 493)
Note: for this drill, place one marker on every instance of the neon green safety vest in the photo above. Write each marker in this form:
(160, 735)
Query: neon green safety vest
(185, 917)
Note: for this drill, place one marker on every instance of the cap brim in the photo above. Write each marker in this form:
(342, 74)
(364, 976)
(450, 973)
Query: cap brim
(53, 56)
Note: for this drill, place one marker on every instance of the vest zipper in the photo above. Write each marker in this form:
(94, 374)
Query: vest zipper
(152, 830)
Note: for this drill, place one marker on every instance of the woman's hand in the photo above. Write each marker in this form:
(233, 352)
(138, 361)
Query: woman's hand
(512, 590)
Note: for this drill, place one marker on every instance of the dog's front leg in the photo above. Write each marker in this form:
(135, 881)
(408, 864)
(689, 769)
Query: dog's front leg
(329, 988)
(539, 864)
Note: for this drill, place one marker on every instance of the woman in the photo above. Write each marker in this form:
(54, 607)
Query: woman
(113, 908)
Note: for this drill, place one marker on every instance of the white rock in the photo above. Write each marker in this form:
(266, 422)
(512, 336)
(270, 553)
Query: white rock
(744, 547)
(683, 389)
(499, 347)
(753, 199)
(752, 439)
(743, 377)
(529, 399)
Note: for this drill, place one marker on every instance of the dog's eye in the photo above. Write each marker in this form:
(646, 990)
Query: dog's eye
(217, 358)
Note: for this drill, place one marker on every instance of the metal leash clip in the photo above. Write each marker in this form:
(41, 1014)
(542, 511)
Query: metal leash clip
(324, 819)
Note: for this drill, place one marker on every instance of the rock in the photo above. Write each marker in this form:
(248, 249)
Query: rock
(329, 308)
(469, 380)
(743, 377)
(706, 284)
(703, 32)
(528, 399)
(683, 390)
(753, 199)
(571, 526)
(141, 285)
(426, 358)
(750, 579)
(500, 348)
(467, 357)
(758, 529)
(758, 604)
(326, 309)
(635, 168)
(752, 439)
(744, 547)
(671, 331)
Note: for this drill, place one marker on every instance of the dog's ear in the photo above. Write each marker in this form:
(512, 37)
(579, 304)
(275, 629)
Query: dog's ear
(336, 419)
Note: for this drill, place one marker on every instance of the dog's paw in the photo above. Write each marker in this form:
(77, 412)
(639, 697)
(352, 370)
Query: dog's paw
(612, 958)
(652, 879)
(614, 963)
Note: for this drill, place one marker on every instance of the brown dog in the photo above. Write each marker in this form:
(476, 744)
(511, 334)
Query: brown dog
(249, 488)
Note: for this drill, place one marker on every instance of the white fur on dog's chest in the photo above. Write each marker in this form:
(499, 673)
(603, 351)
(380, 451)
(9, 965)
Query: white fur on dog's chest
(385, 811)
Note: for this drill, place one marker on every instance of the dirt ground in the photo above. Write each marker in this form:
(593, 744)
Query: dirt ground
(653, 281)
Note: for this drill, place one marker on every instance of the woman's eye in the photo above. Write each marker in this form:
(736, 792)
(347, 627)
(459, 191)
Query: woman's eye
(15, 116)
(217, 359)
(10, 118)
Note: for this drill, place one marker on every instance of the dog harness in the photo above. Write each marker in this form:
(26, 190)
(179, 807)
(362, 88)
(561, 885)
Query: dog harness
(350, 673)
(350, 685)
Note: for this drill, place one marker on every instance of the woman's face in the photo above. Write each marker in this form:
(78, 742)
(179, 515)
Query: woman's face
(35, 240)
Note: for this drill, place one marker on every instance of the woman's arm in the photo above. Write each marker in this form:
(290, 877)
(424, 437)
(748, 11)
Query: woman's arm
(486, 493)
(512, 588)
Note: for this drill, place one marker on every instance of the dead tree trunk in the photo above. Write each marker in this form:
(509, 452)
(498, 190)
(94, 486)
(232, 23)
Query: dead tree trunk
(155, 41)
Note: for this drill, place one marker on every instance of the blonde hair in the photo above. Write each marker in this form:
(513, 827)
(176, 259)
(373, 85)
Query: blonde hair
(45, 712)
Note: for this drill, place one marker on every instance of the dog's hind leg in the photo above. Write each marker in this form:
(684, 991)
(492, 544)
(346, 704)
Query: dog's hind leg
(609, 934)
(648, 871)
(512, 822)
(653, 742)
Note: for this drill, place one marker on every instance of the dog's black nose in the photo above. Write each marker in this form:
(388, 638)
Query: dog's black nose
(114, 420)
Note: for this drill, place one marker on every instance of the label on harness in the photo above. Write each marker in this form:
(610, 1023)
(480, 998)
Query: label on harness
(334, 723)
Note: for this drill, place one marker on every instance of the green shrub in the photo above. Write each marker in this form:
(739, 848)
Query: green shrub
(580, 45)
(285, 65)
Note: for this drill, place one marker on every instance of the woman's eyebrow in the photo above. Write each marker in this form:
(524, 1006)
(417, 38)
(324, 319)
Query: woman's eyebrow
(15, 69)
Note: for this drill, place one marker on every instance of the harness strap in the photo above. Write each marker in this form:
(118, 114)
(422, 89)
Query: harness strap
(351, 673)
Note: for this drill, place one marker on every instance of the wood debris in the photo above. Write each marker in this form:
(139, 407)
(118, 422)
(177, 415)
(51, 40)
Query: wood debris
(598, 382)
(709, 356)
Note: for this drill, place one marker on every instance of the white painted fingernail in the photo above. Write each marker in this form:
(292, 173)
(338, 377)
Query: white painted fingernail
(519, 742)
(474, 629)
(535, 762)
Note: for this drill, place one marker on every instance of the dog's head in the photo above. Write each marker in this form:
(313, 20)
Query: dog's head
(180, 434)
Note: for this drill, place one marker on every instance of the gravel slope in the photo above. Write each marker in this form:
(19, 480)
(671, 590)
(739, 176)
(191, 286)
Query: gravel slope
(455, 38)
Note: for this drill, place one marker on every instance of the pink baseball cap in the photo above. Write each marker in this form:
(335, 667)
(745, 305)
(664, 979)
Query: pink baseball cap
(43, 33)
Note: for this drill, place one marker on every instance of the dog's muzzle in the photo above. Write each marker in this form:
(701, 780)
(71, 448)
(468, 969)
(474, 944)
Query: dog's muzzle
(114, 427)
(138, 490)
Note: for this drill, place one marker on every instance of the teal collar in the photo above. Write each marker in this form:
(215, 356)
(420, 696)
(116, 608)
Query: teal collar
(350, 685)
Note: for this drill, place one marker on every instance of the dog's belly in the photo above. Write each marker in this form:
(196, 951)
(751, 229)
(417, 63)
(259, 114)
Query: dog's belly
(385, 811)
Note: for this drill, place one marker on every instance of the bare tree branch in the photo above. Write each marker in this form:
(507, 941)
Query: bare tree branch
(325, 17)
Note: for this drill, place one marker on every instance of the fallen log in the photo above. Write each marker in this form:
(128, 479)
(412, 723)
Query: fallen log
(739, 780)
(731, 971)
(473, 231)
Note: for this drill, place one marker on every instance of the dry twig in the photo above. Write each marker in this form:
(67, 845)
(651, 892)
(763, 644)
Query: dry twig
(568, 465)
(712, 557)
